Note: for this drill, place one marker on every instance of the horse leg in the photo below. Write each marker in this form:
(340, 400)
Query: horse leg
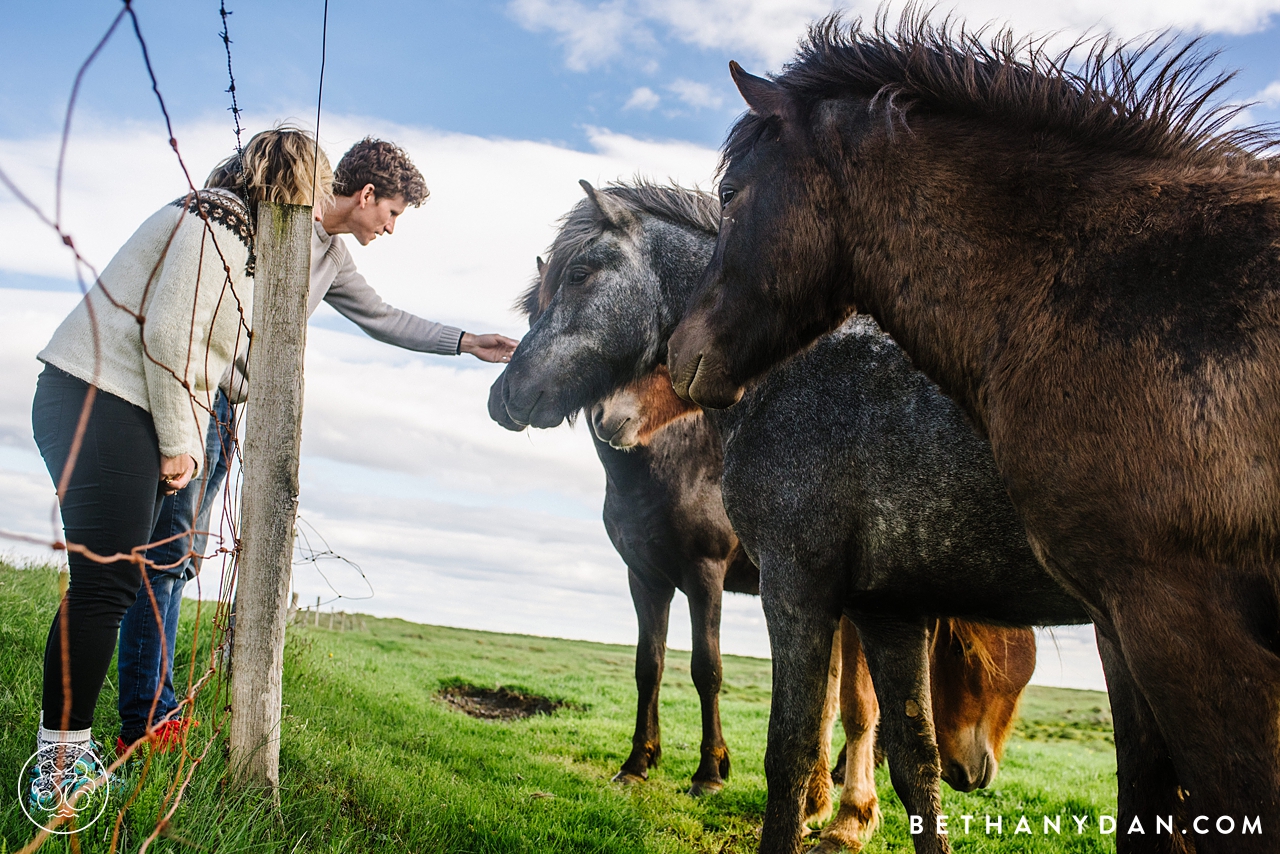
(817, 800)
(705, 595)
(1147, 781)
(898, 658)
(1204, 655)
(859, 811)
(837, 773)
(800, 636)
(652, 600)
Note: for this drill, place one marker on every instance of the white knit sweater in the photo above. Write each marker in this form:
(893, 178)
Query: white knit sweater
(195, 315)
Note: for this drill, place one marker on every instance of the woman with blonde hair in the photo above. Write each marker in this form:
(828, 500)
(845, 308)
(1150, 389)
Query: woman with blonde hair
(145, 350)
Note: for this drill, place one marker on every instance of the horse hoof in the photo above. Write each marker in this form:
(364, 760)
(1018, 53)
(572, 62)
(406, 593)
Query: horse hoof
(701, 788)
(626, 778)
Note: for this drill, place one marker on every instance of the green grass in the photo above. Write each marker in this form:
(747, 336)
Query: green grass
(373, 760)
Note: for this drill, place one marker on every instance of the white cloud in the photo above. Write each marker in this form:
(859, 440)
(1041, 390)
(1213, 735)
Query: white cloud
(643, 98)
(462, 257)
(696, 95)
(592, 33)
(1268, 97)
(765, 32)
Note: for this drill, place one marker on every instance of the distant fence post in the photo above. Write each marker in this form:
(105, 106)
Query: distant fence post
(269, 503)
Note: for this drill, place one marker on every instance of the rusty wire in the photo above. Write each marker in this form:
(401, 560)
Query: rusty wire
(88, 277)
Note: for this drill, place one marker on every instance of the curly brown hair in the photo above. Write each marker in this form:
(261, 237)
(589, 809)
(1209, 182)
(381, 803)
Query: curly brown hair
(384, 165)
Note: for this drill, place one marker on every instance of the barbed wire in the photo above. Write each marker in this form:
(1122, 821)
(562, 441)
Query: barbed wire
(305, 553)
(225, 35)
(226, 531)
(324, 50)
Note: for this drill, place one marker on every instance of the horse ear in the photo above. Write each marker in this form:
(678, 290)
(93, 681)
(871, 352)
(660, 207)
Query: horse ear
(613, 212)
(542, 267)
(764, 97)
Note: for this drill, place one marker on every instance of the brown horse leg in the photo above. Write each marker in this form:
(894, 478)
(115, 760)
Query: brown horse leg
(704, 613)
(1204, 655)
(898, 658)
(652, 602)
(859, 806)
(800, 635)
(817, 799)
(1148, 784)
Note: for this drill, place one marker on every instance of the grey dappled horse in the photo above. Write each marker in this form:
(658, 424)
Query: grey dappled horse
(853, 483)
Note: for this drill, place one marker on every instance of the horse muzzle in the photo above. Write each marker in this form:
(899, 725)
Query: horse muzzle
(968, 776)
(699, 372)
(498, 405)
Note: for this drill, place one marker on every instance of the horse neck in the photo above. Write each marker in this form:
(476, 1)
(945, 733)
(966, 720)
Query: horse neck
(677, 254)
(958, 237)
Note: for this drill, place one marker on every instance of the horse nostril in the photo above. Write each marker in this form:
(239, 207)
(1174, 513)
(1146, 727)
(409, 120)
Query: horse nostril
(597, 422)
(957, 777)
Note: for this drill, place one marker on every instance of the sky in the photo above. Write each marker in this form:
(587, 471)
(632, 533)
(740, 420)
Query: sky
(504, 105)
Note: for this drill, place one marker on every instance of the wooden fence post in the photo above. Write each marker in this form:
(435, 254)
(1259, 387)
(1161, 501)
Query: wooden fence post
(269, 497)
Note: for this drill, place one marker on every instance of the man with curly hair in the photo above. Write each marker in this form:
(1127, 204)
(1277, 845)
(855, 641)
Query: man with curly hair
(373, 184)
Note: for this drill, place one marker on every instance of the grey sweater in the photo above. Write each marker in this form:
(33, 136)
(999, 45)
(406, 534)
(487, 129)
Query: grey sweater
(335, 280)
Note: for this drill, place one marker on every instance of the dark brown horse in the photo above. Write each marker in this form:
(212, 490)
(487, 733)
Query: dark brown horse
(1088, 265)
(977, 672)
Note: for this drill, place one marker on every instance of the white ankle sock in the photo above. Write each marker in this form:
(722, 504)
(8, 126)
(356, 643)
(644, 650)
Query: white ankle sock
(62, 736)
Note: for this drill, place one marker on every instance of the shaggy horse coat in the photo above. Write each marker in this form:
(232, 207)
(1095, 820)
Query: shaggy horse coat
(1089, 267)
(976, 676)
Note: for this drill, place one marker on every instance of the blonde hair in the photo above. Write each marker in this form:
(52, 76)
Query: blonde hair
(281, 165)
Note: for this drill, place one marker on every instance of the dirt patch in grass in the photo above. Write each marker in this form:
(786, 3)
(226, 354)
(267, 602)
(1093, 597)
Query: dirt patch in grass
(501, 704)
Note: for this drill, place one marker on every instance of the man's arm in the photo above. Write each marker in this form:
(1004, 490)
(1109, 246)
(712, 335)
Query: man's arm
(356, 300)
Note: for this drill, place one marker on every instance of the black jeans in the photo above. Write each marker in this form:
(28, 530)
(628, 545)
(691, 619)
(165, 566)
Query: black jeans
(109, 508)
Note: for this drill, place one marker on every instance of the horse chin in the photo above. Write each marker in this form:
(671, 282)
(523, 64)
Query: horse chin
(709, 385)
(544, 419)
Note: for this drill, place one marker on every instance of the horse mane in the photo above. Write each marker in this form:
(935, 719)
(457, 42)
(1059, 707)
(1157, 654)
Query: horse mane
(1156, 97)
(683, 207)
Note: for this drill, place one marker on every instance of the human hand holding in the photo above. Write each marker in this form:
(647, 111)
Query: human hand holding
(490, 347)
(176, 472)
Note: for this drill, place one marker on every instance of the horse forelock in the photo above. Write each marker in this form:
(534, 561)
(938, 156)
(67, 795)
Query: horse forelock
(1156, 97)
(975, 643)
(582, 225)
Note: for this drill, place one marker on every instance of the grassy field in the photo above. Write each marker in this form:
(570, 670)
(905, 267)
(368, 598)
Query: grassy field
(374, 760)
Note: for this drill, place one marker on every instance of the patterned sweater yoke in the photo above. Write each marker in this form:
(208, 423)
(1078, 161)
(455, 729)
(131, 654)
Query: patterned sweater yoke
(166, 316)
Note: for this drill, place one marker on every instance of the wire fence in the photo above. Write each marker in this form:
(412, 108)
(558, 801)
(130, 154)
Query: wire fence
(208, 677)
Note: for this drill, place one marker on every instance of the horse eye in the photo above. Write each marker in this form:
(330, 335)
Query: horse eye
(725, 195)
(578, 276)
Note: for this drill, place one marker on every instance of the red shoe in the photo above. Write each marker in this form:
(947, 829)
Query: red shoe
(171, 733)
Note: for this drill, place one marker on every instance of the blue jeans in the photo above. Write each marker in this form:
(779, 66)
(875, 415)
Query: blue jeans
(139, 665)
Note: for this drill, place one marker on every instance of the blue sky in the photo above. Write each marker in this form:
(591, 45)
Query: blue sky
(504, 104)
(483, 67)
(462, 66)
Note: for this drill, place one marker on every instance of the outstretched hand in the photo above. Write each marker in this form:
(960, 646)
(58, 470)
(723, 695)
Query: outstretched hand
(490, 347)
